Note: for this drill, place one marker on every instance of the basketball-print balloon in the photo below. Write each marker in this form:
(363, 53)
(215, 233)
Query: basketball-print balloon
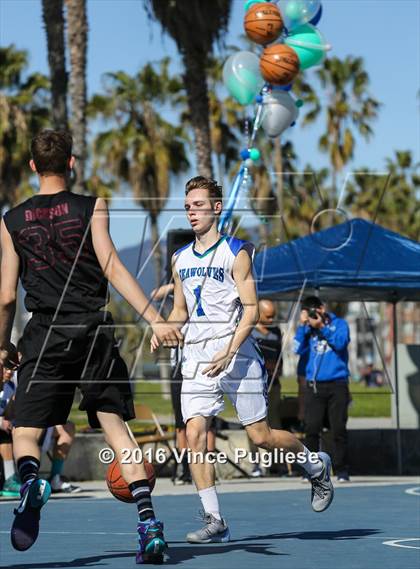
(263, 23)
(279, 64)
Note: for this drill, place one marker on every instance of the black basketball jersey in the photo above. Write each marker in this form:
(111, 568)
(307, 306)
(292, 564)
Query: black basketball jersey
(58, 265)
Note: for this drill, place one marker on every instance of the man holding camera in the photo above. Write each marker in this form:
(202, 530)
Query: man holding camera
(327, 375)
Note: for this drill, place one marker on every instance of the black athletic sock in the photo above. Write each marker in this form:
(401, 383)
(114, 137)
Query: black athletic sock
(140, 490)
(28, 468)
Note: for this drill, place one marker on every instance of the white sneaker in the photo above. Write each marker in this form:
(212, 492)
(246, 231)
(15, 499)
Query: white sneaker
(257, 472)
(343, 477)
(61, 486)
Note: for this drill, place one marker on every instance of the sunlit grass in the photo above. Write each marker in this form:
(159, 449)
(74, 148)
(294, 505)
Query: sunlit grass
(367, 402)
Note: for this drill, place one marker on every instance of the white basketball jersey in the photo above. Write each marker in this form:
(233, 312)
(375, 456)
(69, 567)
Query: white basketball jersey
(213, 303)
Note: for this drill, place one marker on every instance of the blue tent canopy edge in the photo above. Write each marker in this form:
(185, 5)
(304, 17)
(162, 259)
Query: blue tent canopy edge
(355, 260)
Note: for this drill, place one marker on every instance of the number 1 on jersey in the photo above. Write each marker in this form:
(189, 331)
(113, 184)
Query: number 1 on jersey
(197, 292)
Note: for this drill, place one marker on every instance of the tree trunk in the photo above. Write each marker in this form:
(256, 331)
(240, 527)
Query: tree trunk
(278, 167)
(198, 104)
(221, 171)
(52, 13)
(157, 255)
(263, 233)
(77, 42)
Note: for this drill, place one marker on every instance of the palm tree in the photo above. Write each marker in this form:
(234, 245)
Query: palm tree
(350, 109)
(195, 26)
(24, 110)
(263, 200)
(305, 195)
(280, 159)
(391, 199)
(141, 148)
(77, 33)
(52, 14)
(226, 117)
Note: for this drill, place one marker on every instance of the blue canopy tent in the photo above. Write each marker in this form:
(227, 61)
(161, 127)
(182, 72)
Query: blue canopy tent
(354, 261)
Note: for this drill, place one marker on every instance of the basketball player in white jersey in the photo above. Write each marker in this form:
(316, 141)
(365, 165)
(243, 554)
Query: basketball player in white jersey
(215, 299)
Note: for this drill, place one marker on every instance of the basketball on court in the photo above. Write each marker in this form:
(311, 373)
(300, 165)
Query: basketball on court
(119, 487)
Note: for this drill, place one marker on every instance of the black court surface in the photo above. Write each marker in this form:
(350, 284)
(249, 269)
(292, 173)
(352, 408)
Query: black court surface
(369, 526)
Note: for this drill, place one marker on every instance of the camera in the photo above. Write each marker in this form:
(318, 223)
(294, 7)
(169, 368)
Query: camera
(313, 313)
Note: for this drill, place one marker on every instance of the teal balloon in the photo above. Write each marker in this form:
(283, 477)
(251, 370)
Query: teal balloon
(308, 44)
(242, 76)
(298, 12)
(240, 91)
(254, 154)
(249, 3)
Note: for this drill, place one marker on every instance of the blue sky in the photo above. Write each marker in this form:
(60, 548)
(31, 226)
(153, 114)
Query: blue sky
(385, 33)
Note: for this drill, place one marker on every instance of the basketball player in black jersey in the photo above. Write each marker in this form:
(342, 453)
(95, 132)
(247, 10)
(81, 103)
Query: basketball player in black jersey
(59, 245)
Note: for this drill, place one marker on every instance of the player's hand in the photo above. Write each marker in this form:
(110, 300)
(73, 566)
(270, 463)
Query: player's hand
(304, 316)
(9, 358)
(219, 363)
(154, 343)
(167, 334)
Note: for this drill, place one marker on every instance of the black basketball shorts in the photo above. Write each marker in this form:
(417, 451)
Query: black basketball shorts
(73, 350)
(176, 385)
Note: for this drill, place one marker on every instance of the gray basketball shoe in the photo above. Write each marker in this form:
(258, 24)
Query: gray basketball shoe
(214, 531)
(322, 487)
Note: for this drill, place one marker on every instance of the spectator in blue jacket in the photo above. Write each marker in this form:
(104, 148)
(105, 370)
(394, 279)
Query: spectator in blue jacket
(325, 337)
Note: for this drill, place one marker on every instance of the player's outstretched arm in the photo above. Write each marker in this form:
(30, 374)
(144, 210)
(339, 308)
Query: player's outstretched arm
(242, 274)
(179, 314)
(123, 281)
(8, 286)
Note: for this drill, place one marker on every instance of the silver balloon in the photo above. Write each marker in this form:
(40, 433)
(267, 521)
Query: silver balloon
(279, 112)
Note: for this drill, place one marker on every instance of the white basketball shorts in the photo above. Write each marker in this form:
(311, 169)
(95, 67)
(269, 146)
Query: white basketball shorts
(244, 381)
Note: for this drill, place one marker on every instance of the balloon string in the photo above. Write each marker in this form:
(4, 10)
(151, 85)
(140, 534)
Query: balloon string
(256, 124)
(233, 196)
(242, 176)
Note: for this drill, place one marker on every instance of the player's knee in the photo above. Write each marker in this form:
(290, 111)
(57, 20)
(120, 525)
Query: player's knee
(196, 438)
(260, 438)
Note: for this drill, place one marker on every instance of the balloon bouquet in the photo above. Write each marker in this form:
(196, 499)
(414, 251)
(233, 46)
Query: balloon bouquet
(267, 80)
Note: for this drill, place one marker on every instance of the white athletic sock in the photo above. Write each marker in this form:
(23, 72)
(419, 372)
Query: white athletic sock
(314, 469)
(9, 468)
(210, 501)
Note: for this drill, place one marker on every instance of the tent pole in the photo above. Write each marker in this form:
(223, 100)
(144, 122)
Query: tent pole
(397, 396)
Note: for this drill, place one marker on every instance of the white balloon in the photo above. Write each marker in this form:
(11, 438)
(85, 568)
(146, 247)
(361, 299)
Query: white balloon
(279, 112)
